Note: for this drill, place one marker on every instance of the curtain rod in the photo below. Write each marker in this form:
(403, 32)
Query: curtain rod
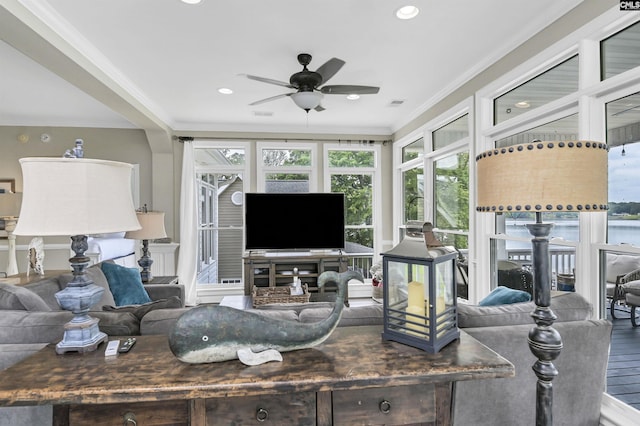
(183, 139)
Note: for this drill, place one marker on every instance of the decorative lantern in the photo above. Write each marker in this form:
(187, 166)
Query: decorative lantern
(420, 307)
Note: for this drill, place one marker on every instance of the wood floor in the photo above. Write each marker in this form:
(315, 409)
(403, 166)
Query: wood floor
(623, 373)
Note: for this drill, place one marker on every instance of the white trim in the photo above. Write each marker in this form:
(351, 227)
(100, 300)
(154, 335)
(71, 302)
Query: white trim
(613, 412)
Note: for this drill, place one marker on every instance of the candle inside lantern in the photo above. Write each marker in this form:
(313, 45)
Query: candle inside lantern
(417, 304)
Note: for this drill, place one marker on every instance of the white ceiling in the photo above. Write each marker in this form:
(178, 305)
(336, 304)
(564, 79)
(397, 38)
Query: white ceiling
(159, 63)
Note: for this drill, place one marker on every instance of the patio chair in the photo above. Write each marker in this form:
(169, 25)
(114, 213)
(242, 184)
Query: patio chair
(513, 275)
(620, 269)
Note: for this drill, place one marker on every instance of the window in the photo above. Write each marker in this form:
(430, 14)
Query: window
(413, 150)
(451, 189)
(450, 165)
(623, 138)
(286, 169)
(220, 176)
(413, 181)
(620, 53)
(553, 84)
(354, 172)
(413, 193)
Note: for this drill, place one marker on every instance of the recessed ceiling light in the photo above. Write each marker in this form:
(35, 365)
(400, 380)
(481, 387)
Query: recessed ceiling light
(522, 104)
(407, 12)
(353, 97)
(191, 1)
(225, 91)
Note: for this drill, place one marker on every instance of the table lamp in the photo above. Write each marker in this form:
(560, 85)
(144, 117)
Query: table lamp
(152, 227)
(76, 197)
(567, 176)
(9, 211)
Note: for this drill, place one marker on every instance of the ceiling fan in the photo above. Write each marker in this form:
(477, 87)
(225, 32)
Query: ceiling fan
(307, 84)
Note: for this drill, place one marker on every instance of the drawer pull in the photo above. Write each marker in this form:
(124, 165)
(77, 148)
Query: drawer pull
(129, 419)
(385, 406)
(262, 415)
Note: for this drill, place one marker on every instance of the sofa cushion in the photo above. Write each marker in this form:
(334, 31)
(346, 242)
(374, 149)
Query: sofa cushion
(632, 287)
(567, 306)
(19, 298)
(160, 321)
(125, 284)
(503, 296)
(96, 275)
(47, 289)
(620, 264)
(352, 316)
(117, 323)
(140, 311)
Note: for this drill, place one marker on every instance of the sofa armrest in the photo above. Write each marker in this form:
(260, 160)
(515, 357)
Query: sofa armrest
(631, 276)
(165, 291)
(582, 367)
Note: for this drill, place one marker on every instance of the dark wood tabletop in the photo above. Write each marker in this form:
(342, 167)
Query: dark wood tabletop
(352, 358)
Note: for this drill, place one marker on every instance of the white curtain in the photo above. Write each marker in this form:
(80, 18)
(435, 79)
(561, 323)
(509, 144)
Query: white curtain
(188, 255)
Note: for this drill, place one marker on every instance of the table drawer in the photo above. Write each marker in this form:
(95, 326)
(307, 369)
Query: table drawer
(142, 413)
(391, 405)
(286, 409)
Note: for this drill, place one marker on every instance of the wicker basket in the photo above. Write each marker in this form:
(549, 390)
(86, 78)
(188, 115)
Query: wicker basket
(266, 295)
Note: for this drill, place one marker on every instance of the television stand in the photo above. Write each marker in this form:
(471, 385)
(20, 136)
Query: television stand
(272, 269)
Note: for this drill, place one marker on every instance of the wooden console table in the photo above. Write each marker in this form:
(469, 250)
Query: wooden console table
(352, 378)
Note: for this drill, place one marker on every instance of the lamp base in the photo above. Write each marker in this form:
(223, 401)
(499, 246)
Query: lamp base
(81, 337)
(544, 341)
(145, 263)
(81, 334)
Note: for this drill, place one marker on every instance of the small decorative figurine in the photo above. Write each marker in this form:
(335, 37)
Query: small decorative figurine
(35, 256)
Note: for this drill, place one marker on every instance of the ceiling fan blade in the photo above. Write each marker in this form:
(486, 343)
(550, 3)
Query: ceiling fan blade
(272, 98)
(319, 108)
(330, 68)
(349, 90)
(269, 80)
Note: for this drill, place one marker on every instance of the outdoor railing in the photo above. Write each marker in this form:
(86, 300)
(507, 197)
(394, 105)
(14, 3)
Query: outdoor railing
(563, 261)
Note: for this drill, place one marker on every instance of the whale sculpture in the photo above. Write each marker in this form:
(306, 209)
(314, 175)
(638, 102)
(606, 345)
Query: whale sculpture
(220, 333)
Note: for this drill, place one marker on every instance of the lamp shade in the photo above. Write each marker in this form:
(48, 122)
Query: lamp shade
(10, 204)
(75, 196)
(543, 177)
(152, 226)
(307, 100)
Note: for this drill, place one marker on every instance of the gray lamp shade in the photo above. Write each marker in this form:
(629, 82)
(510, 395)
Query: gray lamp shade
(152, 226)
(543, 177)
(75, 196)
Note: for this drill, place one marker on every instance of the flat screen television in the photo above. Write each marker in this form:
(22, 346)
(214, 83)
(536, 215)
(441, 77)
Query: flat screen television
(294, 221)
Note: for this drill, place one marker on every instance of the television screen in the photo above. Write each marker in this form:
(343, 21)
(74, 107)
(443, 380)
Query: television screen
(294, 221)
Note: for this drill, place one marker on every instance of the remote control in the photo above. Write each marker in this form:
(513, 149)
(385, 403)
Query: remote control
(112, 348)
(126, 346)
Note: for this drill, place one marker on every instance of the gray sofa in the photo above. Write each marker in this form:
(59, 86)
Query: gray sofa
(30, 318)
(31, 314)
(577, 390)
(582, 365)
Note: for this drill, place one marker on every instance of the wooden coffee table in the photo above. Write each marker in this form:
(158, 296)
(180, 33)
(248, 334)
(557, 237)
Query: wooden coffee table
(352, 378)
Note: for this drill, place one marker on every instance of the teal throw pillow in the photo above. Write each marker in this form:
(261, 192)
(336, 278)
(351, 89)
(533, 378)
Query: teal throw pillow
(503, 296)
(125, 284)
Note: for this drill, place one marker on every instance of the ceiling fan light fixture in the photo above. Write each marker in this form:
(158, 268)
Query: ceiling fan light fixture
(191, 1)
(307, 100)
(353, 97)
(407, 12)
(225, 91)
